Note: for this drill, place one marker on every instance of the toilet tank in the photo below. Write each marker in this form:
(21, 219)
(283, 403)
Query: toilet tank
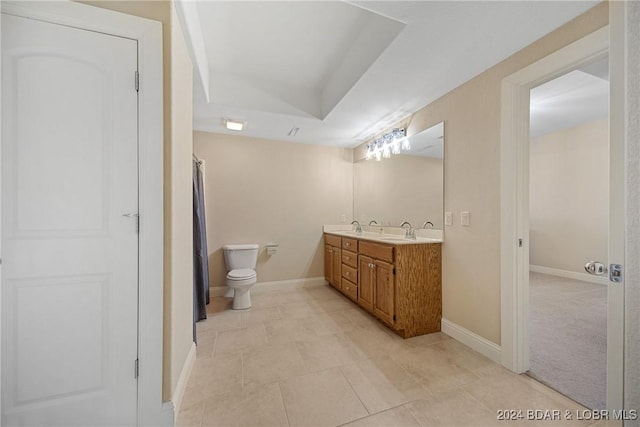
(240, 256)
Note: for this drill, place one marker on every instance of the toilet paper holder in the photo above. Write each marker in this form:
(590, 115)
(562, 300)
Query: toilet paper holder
(271, 248)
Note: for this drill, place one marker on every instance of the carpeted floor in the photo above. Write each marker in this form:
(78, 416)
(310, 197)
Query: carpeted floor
(568, 337)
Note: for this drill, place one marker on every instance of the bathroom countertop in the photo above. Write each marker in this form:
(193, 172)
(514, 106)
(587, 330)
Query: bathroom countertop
(387, 237)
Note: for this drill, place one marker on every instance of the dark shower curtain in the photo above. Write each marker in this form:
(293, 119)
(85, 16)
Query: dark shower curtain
(200, 253)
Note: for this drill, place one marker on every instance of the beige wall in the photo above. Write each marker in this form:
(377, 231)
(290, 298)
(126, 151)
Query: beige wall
(178, 262)
(401, 188)
(179, 222)
(471, 112)
(260, 191)
(569, 197)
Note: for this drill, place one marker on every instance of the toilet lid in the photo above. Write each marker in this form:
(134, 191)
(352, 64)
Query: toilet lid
(240, 274)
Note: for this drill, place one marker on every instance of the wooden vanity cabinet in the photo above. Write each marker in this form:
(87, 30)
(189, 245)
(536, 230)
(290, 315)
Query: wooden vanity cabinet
(399, 284)
(333, 260)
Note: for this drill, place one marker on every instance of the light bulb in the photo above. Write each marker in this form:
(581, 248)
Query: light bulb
(406, 144)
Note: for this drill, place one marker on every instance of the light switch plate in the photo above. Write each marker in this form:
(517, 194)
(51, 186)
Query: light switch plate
(464, 219)
(448, 218)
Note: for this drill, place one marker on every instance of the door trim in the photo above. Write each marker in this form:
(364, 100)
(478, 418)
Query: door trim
(148, 34)
(514, 205)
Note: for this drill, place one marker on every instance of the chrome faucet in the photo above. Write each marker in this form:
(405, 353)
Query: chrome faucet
(373, 221)
(425, 224)
(358, 228)
(411, 233)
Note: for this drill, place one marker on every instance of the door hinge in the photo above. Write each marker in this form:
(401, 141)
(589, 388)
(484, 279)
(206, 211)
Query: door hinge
(615, 273)
(137, 77)
(394, 317)
(394, 270)
(520, 243)
(137, 368)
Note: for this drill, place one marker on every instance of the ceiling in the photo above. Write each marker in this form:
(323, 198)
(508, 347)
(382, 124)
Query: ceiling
(343, 72)
(577, 97)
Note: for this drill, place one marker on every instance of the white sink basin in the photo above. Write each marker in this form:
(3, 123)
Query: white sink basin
(394, 239)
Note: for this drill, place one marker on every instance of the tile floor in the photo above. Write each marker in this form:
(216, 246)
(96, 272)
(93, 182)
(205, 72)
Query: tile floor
(310, 357)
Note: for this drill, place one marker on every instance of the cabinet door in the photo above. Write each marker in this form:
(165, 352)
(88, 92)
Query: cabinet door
(336, 271)
(328, 263)
(384, 291)
(366, 281)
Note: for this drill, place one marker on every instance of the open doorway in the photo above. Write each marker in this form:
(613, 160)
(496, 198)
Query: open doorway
(568, 225)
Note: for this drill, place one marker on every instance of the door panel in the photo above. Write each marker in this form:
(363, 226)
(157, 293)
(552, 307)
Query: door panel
(336, 260)
(69, 273)
(384, 293)
(365, 283)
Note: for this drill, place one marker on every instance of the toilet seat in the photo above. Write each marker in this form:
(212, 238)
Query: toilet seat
(241, 274)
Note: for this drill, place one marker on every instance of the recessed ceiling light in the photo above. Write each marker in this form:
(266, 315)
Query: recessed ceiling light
(234, 124)
(294, 130)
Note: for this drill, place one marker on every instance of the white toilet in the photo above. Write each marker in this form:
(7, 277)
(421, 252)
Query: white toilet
(241, 261)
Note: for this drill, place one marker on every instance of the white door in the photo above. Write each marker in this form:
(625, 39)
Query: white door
(69, 253)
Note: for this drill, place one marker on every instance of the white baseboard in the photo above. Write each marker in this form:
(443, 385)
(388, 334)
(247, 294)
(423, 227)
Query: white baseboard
(181, 386)
(217, 291)
(599, 280)
(472, 340)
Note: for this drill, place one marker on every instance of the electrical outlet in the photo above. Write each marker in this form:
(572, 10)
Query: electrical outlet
(448, 218)
(464, 219)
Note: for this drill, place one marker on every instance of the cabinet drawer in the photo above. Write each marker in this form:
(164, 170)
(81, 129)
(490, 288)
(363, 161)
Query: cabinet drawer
(332, 240)
(350, 289)
(349, 273)
(375, 250)
(349, 244)
(350, 258)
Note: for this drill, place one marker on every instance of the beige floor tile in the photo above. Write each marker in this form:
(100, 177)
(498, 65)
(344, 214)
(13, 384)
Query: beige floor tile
(240, 339)
(191, 416)
(276, 298)
(428, 339)
(461, 354)
(288, 330)
(328, 323)
(397, 417)
(505, 390)
(300, 310)
(272, 363)
(361, 318)
(257, 316)
(382, 384)
(217, 304)
(322, 398)
(206, 343)
(334, 303)
(435, 371)
(455, 408)
(220, 321)
(216, 376)
(372, 342)
(255, 406)
(328, 352)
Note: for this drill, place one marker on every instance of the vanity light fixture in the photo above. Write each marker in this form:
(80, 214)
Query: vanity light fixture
(390, 143)
(233, 124)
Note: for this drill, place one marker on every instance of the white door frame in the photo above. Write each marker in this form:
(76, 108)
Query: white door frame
(514, 206)
(148, 33)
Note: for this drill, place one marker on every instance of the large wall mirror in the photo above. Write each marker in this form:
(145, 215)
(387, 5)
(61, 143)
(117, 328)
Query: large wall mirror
(405, 187)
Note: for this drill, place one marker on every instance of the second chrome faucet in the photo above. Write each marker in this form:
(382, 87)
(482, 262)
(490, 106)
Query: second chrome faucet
(411, 233)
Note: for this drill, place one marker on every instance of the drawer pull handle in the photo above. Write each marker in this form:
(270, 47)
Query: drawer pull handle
(346, 274)
(347, 258)
(347, 244)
